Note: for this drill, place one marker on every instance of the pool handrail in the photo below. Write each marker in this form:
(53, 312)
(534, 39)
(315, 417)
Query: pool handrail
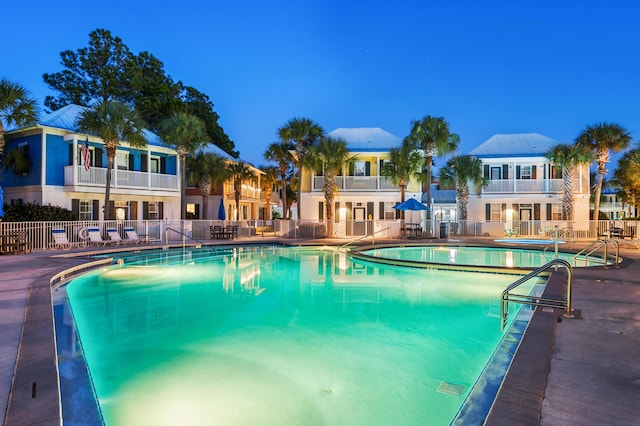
(507, 297)
(597, 245)
(372, 235)
(184, 237)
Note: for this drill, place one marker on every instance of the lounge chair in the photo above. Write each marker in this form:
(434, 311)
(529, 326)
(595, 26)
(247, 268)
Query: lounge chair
(133, 237)
(60, 240)
(95, 238)
(510, 232)
(114, 236)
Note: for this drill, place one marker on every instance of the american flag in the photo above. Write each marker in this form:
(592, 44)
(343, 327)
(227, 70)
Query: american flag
(86, 155)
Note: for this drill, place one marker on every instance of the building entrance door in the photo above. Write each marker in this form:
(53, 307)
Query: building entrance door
(525, 221)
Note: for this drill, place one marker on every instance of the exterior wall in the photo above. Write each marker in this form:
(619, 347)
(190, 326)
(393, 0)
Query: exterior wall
(10, 179)
(57, 155)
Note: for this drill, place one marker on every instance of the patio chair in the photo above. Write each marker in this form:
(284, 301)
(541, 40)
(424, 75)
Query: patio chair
(217, 232)
(114, 236)
(133, 237)
(60, 240)
(95, 238)
(510, 232)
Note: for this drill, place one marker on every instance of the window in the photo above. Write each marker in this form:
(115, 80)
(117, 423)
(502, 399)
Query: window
(192, 211)
(122, 160)
(155, 165)
(496, 173)
(153, 213)
(525, 172)
(556, 172)
(496, 212)
(359, 168)
(389, 211)
(556, 211)
(86, 210)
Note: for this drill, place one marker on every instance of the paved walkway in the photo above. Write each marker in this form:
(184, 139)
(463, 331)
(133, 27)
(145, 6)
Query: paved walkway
(583, 371)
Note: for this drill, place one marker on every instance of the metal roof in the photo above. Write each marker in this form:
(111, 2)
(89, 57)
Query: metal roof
(366, 138)
(514, 145)
(67, 117)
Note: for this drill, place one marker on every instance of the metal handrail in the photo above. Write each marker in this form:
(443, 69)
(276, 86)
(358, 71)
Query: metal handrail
(184, 237)
(597, 245)
(537, 300)
(373, 241)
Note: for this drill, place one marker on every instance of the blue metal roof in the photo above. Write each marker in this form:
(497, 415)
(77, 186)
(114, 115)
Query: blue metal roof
(366, 139)
(67, 117)
(515, 145)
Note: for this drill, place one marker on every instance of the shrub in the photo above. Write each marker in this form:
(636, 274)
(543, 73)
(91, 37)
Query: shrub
(32, 212)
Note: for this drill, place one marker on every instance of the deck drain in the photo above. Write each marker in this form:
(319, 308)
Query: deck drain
(451, 389)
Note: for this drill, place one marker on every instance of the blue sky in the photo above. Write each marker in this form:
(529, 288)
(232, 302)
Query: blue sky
(550, 67)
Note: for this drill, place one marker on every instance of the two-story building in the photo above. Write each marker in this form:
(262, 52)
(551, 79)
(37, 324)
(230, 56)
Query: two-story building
(144, 182)
(363, 193)
(252, 205)
(525, 188)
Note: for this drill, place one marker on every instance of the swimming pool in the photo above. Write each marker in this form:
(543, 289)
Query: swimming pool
(461, 257)
(288, 336)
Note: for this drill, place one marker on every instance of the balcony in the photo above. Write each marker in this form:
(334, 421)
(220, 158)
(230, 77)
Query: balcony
(97, 176)
(357, 183)
(524, 186)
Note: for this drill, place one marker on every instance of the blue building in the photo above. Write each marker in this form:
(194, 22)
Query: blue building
(144, 182)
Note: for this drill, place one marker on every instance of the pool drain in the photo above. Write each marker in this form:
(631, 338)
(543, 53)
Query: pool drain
(451, 388)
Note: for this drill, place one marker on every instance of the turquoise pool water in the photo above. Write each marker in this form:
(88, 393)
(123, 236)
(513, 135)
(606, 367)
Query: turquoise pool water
(282, 336)
(479, 256)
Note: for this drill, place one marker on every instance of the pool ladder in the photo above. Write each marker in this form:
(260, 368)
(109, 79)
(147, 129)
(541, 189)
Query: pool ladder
(525, 299)
(595, 246)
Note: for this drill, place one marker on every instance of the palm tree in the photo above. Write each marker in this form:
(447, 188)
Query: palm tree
(208, 171)
(603, 139)
(303, 133)
(113, 122)
(268, 181)
(279, 153)
(186, 134)
(17, 108)
(432, 135)
(627, 178)
(404, 165)
(568, 157)
(459, 171)
(239, 172)
(330, 154)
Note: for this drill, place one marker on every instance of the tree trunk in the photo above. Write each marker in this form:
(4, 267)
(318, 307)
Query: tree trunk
(267, 198)
(596, 208)
(284, 198)
(183, 180)
(429, 161)
(111, 154)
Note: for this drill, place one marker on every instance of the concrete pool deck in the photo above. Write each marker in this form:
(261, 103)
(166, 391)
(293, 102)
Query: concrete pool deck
(578, 371)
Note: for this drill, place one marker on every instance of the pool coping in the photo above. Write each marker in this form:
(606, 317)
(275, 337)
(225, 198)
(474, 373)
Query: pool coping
(520, 396)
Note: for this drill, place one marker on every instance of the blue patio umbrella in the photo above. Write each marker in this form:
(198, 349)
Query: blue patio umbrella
(222, 215)
(411, 204)
(1, 202)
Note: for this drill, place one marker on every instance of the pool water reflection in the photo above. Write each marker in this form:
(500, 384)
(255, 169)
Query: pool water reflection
(288, 336)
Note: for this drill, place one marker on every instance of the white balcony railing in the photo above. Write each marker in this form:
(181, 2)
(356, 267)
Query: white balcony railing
(511, 186)
(357, 183)
(97, 176)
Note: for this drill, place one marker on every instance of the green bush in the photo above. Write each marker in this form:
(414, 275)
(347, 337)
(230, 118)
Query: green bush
(32, 212)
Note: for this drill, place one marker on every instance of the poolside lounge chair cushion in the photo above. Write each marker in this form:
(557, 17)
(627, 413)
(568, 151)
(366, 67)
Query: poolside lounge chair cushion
(60, 239)
(95, 238)
(132, 236)
(114, 236)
